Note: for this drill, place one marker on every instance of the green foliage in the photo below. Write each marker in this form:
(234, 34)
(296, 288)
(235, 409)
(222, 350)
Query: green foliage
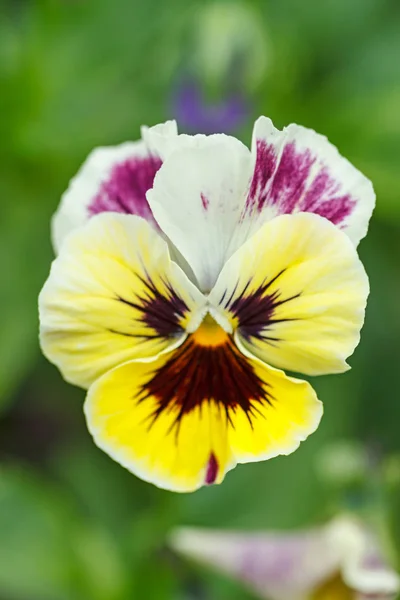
(74, 75)
(36, 555)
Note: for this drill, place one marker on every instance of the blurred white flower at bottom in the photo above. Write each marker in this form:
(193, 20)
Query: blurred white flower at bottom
(338, 561)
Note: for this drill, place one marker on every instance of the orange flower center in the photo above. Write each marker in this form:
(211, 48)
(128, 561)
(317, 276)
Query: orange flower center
(210, 334)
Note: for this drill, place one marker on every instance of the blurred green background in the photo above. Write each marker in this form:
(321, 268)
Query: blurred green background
(75, 74)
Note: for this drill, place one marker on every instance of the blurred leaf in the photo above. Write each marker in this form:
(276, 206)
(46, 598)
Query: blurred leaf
(103, 490)
(103, 573)
(24, 261)
(36, 556)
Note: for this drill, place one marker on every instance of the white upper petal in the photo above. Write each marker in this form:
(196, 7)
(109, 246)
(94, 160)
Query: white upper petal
(115, 179)
(198, 197)
(298, 170)
(73, 210)
(160, 138)
(212, 194)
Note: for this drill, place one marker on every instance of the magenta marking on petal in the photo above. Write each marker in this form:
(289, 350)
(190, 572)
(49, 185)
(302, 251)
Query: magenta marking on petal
(212, 469)
(296, 183)
(324, 198)
(263, 172)
(124, 191)
(205, 201)
(291, 178)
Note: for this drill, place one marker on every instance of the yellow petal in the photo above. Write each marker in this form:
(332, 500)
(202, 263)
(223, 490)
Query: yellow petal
(295, 294)
(113, 294)
(173, 451)
(185, 419)
(289, 414)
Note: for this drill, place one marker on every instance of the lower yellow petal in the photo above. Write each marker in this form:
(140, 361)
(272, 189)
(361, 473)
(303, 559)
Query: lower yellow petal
(186, 418)
(173, 452)
(289, 415)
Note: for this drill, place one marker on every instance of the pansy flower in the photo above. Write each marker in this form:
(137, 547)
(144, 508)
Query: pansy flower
(342, 560)
(178, 308)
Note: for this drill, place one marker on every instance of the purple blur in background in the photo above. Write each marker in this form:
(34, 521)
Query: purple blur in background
(197, 115)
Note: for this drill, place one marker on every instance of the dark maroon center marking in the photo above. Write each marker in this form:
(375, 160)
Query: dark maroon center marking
(254, 310)
(125, 189)
(195, 374)
(291, 186)
(212, 470)
(162, 311)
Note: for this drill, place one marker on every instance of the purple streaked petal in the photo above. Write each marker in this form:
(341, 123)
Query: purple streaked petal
(114, 179)
(209, 203)
(292, 191)
(125, 188)
(297, 170)
(276, 566)
(283, 566)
